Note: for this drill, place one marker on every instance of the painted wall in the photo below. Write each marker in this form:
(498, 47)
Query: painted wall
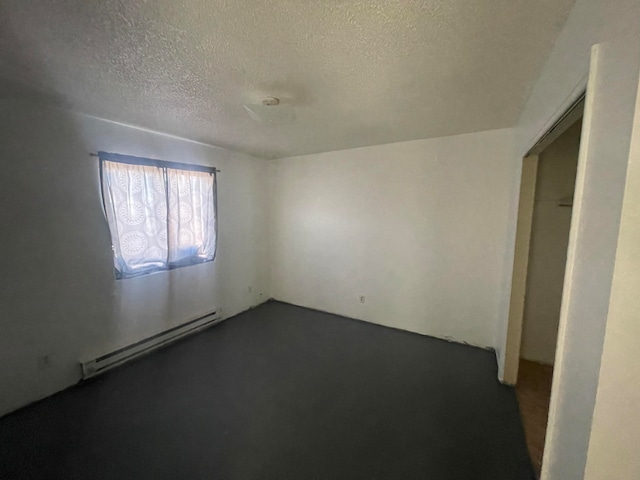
(562, 79)
(615, 435)
(564, 75)
(418, 228)
(597, 204)
(602, 168)
(59, 301)
(594, 232)
(557, 167)
(519, 269)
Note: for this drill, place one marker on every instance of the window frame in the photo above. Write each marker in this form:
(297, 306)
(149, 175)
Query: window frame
(161, 164)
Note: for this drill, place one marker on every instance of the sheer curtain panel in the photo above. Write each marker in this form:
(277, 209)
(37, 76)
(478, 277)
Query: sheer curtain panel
(160, 217)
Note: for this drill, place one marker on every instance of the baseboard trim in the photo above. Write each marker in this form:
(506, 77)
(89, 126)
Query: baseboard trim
(80, 381)
(435, 337)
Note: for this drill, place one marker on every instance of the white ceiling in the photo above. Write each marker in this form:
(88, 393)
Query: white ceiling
(349, 73)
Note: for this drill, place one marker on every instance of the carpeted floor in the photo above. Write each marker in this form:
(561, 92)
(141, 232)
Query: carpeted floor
(280, 392)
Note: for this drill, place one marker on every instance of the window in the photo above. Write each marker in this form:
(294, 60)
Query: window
(161, 215)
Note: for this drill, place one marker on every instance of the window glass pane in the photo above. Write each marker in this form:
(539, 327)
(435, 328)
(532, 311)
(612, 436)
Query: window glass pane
(136, 208)
(192, 217)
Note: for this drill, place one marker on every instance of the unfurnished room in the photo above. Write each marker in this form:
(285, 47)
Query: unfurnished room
(332, 239)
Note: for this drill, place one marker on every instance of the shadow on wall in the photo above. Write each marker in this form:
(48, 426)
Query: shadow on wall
(57, 285)
(59, 300)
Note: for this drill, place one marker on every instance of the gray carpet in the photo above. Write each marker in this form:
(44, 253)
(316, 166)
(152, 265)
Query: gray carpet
(279, 392)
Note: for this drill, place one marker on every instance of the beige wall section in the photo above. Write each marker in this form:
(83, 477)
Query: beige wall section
(548, 251)
(562, 80)
(59, 300)
(615, 435)
(595, 223)
(591, 257)
(419, 228)
(520, 265)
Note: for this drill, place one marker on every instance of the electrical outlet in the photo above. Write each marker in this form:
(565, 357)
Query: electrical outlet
(250, 289)
(362, 298)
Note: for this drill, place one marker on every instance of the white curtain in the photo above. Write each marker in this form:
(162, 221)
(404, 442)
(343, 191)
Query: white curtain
(159, 218)
(192, 218)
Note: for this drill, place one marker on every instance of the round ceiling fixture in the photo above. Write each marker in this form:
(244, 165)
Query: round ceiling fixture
(262, 111)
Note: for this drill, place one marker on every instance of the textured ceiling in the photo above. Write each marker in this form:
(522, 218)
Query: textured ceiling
(348, 73)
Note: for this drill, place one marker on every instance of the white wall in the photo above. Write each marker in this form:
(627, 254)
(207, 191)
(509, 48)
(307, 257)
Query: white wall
(562, 79)
(600, 181)
(565, 72)
(58, 295)
(417, 227)
(557, 166)
(594, 231)
(601, 176)
(615, 435)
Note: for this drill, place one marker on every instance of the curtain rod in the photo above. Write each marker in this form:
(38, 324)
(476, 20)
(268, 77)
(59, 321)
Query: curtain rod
(91, 154)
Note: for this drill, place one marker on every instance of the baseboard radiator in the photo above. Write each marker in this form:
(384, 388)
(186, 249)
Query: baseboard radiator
(96, 366)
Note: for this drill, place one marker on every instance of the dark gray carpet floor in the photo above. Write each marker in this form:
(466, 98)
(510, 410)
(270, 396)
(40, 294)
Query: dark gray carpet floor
(279, 392)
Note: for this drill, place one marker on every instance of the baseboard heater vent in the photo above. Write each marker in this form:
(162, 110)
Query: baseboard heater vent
(94, 367)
